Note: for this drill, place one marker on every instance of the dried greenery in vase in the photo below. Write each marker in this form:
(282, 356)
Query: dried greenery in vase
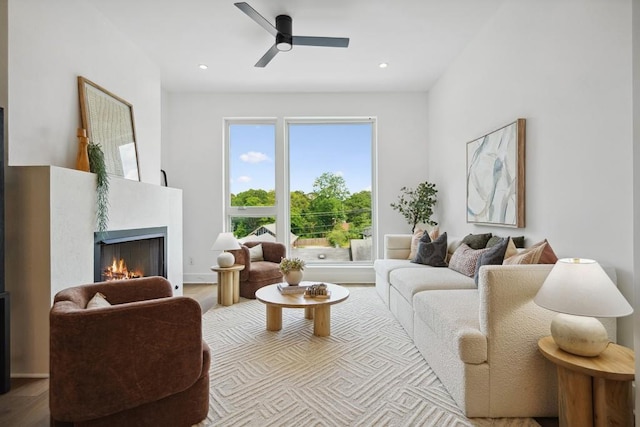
(97, 166)
(291, 264)
(417, 205)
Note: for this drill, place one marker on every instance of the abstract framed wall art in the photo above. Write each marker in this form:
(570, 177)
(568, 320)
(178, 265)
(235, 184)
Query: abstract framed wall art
(496, 177)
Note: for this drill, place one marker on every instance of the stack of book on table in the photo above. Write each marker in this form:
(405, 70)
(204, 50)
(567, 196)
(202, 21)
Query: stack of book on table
(288, 289)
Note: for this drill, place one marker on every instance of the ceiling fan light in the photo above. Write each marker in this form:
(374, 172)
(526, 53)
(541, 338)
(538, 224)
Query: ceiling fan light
(284, 47)
(283, 42)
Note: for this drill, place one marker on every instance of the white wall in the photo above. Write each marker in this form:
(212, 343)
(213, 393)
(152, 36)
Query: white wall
(53, 42)
(636, 183)
(565, 67)
(50, 43)
(194, 145)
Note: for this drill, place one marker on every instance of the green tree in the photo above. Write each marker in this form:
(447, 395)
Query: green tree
(358, 212)
(253, 197)
(330, 186)
(299, 207)
(326, 209)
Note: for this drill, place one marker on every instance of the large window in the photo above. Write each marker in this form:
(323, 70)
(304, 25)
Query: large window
(251, 179)
(321, 172)
(330, 182)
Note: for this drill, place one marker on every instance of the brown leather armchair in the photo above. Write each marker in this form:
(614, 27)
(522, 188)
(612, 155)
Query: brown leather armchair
(257, 274)
(139, 362)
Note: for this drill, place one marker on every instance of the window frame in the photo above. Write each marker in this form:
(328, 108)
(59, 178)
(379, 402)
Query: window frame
(282, 170)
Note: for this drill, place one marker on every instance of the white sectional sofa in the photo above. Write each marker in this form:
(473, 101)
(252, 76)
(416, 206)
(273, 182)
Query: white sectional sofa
(481, 340)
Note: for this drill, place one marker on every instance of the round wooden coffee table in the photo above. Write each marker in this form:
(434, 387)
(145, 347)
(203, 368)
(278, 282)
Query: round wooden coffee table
(314, 308)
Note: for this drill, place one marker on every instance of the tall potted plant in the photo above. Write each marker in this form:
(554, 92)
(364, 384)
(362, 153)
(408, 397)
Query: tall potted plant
(417, 205)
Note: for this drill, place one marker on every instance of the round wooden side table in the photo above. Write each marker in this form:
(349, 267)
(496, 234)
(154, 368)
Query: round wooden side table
(593, 391)
(228, 283)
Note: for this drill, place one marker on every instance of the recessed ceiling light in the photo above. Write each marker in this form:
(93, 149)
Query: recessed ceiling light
(203, 66)
(383, 65)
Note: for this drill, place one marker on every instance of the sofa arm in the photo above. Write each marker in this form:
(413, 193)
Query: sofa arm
(243, 257)
(110, 359)
(397, 246)
(513, 324)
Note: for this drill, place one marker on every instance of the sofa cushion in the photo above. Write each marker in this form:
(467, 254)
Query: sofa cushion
(453, 316)
(384, 267)
(409, 281)
(464, 259)
(432, 253)
(476, 241)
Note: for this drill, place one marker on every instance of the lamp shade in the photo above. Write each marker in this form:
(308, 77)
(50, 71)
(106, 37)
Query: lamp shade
(225, 242)
(581, 287)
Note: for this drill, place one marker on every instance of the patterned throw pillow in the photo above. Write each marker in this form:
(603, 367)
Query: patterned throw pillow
(529, 256)
(476, 241)
(415, 239)
(464, 259)
(493, 256)
(432, 253)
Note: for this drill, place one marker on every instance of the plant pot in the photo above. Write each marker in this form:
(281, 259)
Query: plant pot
(293, 277)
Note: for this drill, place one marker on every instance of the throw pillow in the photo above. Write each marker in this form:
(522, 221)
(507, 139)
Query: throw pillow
(98, 300)
(255, 253)
(511, 249)
(493, 256)
(494, 240)
(528, 256)
(548, 256)
(464, 259)
(434, 233)
(432, 253)
(477, 241)
(519, 241)
(415, 239)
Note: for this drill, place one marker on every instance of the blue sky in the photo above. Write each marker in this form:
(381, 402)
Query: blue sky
(343, 149)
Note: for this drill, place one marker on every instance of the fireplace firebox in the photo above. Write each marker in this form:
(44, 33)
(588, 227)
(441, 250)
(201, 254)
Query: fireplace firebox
(124, 254)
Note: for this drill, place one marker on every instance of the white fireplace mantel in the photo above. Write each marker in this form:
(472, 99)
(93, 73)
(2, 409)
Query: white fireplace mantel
(50, 224)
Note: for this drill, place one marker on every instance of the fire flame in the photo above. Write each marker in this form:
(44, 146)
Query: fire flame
(118, 271)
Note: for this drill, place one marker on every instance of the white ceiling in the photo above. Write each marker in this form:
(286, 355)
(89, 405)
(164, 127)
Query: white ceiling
(417, 38)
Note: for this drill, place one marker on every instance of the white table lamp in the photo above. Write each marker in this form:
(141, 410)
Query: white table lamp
(225, 242)
(580, 290)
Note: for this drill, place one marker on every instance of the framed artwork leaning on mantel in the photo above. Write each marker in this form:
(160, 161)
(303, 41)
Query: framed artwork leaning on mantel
(496, 177)
(108, 120)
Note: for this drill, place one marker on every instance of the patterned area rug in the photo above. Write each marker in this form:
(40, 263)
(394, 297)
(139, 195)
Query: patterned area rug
(367, 373)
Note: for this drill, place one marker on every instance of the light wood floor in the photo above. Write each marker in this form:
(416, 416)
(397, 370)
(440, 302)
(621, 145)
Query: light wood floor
(27, 403)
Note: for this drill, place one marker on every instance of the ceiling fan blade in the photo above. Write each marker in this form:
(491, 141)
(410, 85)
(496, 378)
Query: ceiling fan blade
(321, 41)
(251, 13)
(267, 57)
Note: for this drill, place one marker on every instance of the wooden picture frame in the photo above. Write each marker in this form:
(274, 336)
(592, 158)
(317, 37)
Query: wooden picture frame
(496, 177)
(109, 122)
